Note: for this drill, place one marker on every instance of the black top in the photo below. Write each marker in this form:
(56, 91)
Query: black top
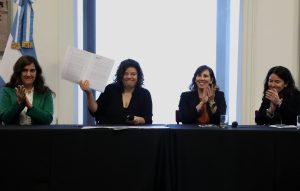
(110, 106)
(285, 114)
(189, 113)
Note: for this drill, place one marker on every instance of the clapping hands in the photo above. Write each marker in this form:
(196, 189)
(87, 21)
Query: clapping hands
(208, 94)
(21, 96)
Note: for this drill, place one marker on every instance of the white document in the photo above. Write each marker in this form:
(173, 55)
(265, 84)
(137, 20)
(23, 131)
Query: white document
(82, 65)
(283, 126)
(127, 127)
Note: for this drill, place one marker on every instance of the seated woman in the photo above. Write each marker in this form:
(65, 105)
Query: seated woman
(25, 99)
(124, 101)
(204, 103)
(281, 99)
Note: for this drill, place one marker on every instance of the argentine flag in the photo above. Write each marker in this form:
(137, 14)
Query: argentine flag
(20, 41)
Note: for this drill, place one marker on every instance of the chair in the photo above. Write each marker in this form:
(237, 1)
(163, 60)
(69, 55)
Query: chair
(178, 117)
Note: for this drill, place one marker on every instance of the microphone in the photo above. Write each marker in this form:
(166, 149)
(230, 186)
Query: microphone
(234, 124)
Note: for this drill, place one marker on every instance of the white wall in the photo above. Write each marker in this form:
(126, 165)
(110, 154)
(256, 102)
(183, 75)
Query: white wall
(53, 32)
(270, 38)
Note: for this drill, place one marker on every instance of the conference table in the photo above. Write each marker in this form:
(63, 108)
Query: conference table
(149, 158)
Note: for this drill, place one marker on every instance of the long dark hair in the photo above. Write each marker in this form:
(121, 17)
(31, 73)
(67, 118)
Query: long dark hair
(123, 67)
(284, 74)
(199, 70)
(39, 82)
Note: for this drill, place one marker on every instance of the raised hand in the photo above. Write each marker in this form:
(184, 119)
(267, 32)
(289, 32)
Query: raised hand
(21, 95)
(85, 85)
(205, 96)
(211, 92)
(272, 95)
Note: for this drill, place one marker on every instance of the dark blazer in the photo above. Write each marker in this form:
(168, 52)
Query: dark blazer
(40, 113)
(285, 114)
(110, 106)
(189, 113)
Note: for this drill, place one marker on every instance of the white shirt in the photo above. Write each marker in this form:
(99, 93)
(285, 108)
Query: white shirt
(23, 117)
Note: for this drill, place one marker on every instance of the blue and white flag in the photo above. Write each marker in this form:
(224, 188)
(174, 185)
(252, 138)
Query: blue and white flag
(20, 41)
(2, 83)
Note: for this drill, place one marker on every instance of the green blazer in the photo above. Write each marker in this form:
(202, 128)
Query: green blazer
(40, 113)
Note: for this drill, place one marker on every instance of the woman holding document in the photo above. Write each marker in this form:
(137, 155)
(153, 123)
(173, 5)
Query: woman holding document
(124, 101)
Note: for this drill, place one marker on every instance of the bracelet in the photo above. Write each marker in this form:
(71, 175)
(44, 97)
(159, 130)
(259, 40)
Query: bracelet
(279, 104)
(269, 114)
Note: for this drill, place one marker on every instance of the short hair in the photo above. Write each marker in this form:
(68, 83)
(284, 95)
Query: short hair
(199, 70)
(39, 82)
(284, 74)
(123, 67)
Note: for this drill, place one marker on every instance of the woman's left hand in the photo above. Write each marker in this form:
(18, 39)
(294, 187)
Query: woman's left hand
(137, 120)
(272, 95)
(211, 92)
(28, 104)
(21, 96)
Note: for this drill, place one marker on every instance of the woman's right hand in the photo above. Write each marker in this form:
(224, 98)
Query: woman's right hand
(272, 95)
(85, 86)
(21, 95)
(275, 100)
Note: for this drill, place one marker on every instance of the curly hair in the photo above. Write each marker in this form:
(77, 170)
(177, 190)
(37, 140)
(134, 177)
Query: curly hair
(199, 70)
(284, 74)
(123, 67)
(39, 82)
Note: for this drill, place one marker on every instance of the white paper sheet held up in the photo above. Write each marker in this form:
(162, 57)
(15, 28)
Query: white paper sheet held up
(82, 65)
